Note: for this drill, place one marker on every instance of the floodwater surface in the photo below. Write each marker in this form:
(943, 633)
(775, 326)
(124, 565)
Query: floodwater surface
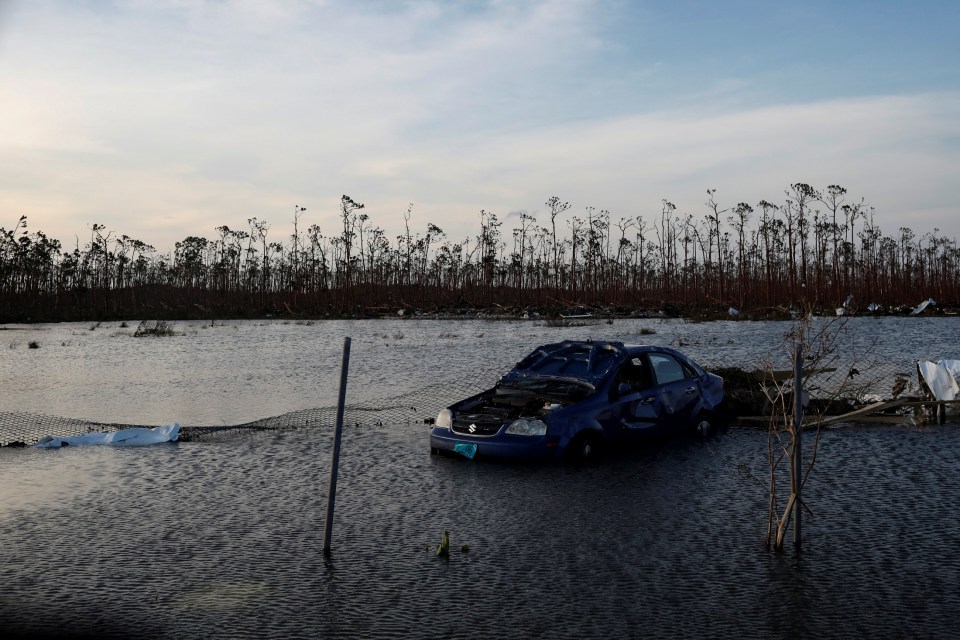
(222, 538)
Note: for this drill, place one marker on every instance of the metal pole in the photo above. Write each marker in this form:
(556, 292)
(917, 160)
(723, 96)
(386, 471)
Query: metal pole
(797, 479)
(334, 465)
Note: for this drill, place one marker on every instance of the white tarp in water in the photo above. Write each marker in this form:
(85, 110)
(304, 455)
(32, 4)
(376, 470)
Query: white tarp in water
(133, 437)
(920, 308)
(953, 366)
(941, 377)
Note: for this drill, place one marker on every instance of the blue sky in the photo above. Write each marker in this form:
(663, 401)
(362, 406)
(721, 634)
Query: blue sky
(167, 118)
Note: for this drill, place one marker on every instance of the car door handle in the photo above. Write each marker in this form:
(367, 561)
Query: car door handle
(691, 390)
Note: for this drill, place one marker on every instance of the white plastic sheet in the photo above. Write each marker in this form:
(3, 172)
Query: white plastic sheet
(133, 437)
(939, 376)
(920, 308)
(953, 366)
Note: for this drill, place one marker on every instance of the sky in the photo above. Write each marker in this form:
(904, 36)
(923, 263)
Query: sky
(164, 119)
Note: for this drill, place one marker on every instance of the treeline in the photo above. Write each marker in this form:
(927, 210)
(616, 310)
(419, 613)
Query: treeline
(813, 248)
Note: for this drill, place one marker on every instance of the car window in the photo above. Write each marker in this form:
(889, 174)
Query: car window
(666, 369)
(635, 372)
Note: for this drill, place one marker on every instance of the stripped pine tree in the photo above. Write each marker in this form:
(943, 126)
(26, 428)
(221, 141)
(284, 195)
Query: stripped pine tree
(823, 361)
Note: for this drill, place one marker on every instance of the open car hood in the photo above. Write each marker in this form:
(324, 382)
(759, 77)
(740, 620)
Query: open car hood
(546, 386)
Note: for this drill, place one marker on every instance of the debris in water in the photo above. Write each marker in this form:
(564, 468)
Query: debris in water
(922, 306)
(443, 549)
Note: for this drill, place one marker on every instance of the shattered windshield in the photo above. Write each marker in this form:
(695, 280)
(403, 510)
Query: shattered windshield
(584, 360)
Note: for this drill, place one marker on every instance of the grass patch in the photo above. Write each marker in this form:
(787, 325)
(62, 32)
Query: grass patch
(157, 328)
(569, 322)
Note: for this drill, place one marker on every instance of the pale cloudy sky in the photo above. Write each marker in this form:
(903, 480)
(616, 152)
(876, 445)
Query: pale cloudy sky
(167, 118)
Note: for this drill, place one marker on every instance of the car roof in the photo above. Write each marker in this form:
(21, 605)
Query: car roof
(651, 348)
(584, 360)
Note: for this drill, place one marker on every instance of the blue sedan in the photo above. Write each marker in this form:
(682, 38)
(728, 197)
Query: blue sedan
(574, 399)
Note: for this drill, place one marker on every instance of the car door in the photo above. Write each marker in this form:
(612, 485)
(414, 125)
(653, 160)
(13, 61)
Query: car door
(677, 389)
(635, 405)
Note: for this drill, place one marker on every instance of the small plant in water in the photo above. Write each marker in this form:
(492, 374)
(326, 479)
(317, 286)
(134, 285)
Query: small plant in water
(124, 325)
(443, 549)
(157, 328)
(33, 344)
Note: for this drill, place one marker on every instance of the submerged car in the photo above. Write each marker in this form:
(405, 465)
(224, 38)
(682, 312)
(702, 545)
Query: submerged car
(574, 399)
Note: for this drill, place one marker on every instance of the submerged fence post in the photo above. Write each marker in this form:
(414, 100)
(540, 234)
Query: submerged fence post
(335, 463)
(797, 462)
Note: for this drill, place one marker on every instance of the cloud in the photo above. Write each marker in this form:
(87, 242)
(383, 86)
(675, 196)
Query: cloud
(164, 119)
(892, 151)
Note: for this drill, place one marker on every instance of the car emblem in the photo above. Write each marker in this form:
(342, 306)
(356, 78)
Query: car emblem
(472, 428)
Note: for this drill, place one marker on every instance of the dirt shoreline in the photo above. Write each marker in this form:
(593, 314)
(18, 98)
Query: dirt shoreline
(562, 316)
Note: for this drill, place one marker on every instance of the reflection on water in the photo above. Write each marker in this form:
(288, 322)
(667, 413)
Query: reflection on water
(222, 538)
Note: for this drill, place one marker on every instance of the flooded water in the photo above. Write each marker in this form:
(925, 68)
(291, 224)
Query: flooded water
(234, 372)
(222, 538)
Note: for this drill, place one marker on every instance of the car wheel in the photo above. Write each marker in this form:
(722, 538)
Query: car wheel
(704, 423)
(586, 446)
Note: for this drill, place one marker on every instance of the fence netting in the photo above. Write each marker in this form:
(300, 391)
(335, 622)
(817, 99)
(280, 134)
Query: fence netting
(843, 381)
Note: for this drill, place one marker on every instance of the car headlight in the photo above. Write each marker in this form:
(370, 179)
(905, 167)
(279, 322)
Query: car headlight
(524, 427)
(444, 419)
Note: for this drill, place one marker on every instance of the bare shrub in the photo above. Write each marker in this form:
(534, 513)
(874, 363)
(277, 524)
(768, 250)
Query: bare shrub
(157, 328)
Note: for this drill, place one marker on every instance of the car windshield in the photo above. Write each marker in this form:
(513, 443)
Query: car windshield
(584, 360)
(550, 387)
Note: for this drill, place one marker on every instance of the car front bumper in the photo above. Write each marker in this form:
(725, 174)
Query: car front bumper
(499, 446)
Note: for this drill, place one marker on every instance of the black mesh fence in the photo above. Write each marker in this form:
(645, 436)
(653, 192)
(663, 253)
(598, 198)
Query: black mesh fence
(835, 384)
(845, 381)
(18, 428)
